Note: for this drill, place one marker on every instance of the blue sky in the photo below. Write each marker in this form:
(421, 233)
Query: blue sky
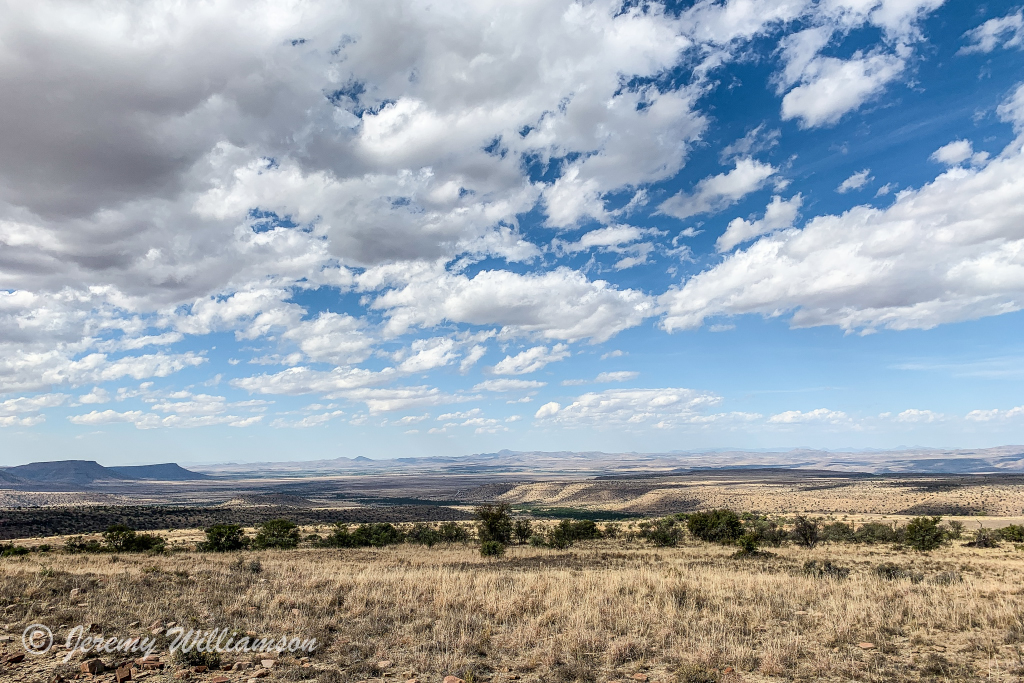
(265, 231)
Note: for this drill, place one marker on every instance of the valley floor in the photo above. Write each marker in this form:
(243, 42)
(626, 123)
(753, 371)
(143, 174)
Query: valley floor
(601, 611)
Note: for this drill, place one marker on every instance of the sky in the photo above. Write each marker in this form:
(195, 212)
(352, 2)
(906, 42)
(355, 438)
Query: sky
(249, 231)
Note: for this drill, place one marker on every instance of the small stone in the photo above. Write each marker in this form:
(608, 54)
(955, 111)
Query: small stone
(135, 624)
(453, 679)
(413, 680)
(219, 679)
(384, 664)
(156, 624)
(225, 667)
(183, 675)
(200, 669)
(123, 674)
(295, 611)
(268, 663)
(639, 677)
(93, 666)
(260, 673)
(728, 670)
(238, 666)
(75, 592)
(158, 631)
(866, 646)
(14, 659)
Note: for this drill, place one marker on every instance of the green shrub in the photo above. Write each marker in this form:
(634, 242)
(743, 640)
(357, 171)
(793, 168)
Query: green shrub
(193, 657)
(806, 532)
(1013, 533)
(984, 538)
(276, 533)
(492, 549)
(837, 532)
(453, 532)
(522, 530)
(77, 544)
(561, 535)
(377, 535)
(494, 523)
(662, 532)
(876, 532)
(955, 530)
(11, 550)
(715, 526)
(924, 533)
(765, 531)
(423, 534)
(119, 538)
(223, 538)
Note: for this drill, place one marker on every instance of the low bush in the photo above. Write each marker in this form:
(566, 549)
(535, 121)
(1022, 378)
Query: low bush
(924, 534)
(837, 532)
(423, 534)
(893, 572)
(984, 538)
(806, 532)
(452, 532)
(492, 549)
(11, 550)
(824, 569)
(522, 530)
(876, 532)
(223, 538)
(1013, 533)
(276, 533)
(765, 531)
(715, 526)
(662, 532)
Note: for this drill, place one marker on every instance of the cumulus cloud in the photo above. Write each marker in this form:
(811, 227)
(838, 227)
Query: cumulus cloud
(830, 87)
(623, 407)
(1006, 32)
(616, 376)
(948, 251)
(994, 414)
(143, 420)
(811, 416)
(855, 181)
(531, 360)
(714, 193)
(559, 304)
(779, 214)
(915, 415)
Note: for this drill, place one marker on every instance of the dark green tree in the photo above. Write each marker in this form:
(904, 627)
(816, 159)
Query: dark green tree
(277, 533)
(522, 530)
(715, 526)
(924, 533)
(806, 531)
(494, 523)
(223, 538)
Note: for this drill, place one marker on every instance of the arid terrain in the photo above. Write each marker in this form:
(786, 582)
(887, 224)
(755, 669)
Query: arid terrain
(601, 611)
(617, 608)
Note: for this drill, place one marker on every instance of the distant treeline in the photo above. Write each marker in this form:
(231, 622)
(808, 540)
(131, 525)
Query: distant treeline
(63, 521)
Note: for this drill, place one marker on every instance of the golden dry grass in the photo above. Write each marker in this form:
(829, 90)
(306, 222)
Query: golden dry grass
(597, 612)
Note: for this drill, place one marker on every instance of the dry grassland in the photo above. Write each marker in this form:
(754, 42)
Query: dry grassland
(601, 611)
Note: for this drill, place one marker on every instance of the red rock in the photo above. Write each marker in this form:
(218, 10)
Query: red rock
(639, 677)
(219, 679)
(200, 669)
(866, 646)
(183, 675)
(384, 664)
(123, 674)
(14, 659)
(728, 670)
(453, 679)
(268, 663)
(260, 673)
(93, 666)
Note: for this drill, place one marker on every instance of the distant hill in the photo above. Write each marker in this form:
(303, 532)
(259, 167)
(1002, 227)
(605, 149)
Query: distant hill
(164, 472)
(85, 472)
(63, 472)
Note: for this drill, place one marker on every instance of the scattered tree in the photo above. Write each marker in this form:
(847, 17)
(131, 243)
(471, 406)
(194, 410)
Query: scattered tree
(715, 526)
(495, 523)
(924, 533)
(277, 533)
(806, 532)
(222, 538)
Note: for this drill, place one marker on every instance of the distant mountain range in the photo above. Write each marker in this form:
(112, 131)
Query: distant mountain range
(1001, 459)
(85, 472)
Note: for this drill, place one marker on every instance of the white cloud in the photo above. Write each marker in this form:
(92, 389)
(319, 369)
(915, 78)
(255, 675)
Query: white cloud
(623, 407)
(811, 416)
(143, 420)
(531, 360)
(97, 395)
(915, 415)
(830, 87)
(14, 421)
(506, 385)
(714, 193)
(559, 304)
(617, 376)
(994, 414)
(855, 181)
(953, 153)
(547, 410)
(428, 354)
(949, 251)
(31, 404)
(1006, 32)
(317, 420)
(779, 214)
